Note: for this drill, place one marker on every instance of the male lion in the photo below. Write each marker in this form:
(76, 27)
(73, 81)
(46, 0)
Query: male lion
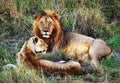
(28, 56)
(47, 27)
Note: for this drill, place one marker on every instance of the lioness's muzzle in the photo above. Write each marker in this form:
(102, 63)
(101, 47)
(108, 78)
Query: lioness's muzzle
(43, 51)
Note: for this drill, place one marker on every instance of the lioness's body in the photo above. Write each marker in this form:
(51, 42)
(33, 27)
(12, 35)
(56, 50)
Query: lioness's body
(46, 26)
(28, 57)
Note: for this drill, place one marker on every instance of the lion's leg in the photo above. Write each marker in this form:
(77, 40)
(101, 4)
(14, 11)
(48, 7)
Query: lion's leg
(94, 60)
(100, 48)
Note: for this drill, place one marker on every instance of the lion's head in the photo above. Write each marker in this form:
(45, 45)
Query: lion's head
(37, 45)
(46, 24)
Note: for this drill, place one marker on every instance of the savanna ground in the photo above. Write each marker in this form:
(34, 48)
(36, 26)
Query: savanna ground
(95, 18)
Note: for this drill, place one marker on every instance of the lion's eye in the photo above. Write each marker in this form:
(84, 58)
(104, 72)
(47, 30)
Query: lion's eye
(41, 23)
(50, 23)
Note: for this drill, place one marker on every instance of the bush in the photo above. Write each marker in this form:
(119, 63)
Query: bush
(88, 21)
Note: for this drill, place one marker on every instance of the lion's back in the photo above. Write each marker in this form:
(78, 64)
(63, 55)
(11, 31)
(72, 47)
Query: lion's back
(73, 37)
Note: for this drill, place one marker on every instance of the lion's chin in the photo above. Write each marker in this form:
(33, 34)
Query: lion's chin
(46, 36)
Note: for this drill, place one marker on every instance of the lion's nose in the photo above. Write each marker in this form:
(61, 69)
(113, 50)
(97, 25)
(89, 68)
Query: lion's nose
(45, 30)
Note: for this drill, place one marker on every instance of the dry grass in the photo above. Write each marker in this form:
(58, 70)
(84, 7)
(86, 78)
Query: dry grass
(88, 21)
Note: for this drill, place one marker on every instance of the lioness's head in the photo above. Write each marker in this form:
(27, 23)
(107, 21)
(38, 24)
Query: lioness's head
(37, 45)
(45, 23)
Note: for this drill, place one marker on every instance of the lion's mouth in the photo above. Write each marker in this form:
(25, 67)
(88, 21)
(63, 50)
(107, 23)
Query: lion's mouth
(46, 35)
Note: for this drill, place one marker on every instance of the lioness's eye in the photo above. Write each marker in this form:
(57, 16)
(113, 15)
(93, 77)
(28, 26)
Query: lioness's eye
(35, 40)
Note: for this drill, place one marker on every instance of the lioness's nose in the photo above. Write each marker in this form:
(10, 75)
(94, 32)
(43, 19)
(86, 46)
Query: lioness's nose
(44, 50)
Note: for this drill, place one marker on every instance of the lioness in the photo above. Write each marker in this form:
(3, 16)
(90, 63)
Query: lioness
(47, 27)
(28, 57)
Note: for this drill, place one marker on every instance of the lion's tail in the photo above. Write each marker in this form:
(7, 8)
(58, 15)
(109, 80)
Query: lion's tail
(117, 53)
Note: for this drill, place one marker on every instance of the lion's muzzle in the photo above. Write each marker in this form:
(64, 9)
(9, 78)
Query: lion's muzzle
(46, 34)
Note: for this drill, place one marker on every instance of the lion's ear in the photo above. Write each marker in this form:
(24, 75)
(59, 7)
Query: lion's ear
(36, 16)
(55, 16)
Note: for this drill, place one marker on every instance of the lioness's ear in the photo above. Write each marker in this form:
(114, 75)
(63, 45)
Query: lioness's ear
(55, 16)
(35, 40)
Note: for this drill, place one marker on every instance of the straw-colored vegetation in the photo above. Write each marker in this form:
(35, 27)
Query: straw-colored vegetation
(96, 18)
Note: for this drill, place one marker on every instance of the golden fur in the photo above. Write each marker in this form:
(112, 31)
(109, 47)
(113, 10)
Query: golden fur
(28, 57)
(58, 39)
(77, 50)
